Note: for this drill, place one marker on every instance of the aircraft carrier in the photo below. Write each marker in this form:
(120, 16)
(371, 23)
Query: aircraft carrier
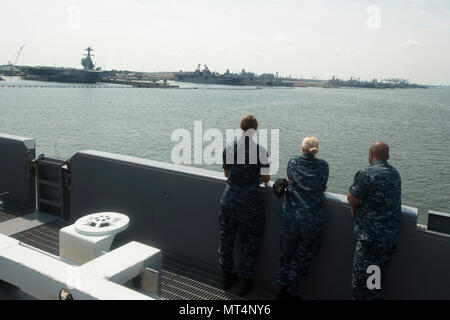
(89, 74)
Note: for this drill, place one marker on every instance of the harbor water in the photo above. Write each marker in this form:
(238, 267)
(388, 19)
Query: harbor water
(139, 122)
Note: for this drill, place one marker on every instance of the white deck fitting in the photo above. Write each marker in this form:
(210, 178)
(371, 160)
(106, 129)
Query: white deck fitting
(127, 262)
(77, 248)
(90, 236)
(102, 224)
(26, 222)
(43, 276)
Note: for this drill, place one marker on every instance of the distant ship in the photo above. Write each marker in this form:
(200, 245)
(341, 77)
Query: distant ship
(206, 76)
(244, 78)
(384, 84)
(86, 75)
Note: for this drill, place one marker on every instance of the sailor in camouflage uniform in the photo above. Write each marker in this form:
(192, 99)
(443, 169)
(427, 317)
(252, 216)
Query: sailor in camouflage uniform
(246, 165)
(301, 217)
(375, 198)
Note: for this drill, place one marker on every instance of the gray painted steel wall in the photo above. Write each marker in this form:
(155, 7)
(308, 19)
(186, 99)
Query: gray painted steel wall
(176, 209)
(16, 154)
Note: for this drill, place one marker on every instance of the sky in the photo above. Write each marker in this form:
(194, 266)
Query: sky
(407, 39)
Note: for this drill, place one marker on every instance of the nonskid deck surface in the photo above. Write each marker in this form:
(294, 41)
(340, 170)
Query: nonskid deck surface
(5, 216)
(181, 280)
(45, 237)
(8, 214)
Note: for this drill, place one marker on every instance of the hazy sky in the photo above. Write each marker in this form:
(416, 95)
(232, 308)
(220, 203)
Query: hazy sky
(368, 39)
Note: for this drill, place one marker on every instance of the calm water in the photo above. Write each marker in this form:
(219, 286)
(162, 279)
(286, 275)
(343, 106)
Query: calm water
(139, 122)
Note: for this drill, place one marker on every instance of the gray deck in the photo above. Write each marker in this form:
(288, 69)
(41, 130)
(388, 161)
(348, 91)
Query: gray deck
(45, 237)
(5, 216)
(180, 280)
(7, 213)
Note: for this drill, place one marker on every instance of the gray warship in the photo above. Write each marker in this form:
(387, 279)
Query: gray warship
(208, 77)
(89, 74)
(228, 78)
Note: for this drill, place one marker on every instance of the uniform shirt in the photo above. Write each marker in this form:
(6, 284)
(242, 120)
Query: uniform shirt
(308, 177)
(378, 187)
(245, 162)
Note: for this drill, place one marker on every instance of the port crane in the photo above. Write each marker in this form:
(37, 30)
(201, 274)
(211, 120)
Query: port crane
(13, 62)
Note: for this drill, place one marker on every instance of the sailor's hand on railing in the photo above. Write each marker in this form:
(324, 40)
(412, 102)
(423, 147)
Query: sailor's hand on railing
(353, 202)
(264, 178)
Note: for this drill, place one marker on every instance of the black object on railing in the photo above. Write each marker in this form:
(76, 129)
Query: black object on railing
(438, 222)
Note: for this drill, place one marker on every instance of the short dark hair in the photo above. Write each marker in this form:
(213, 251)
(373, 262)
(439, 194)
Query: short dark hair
(249, 122)
(380, 150)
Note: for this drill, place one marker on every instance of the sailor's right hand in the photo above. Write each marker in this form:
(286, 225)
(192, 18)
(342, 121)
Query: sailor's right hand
(264, 178)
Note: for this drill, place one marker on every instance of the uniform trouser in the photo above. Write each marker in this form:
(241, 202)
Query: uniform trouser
(370, 253)
(251, 222)
(299, 244)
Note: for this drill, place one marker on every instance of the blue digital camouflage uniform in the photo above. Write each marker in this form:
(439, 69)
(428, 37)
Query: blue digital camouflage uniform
(377, 223)
(301, 219)
(242, 204)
